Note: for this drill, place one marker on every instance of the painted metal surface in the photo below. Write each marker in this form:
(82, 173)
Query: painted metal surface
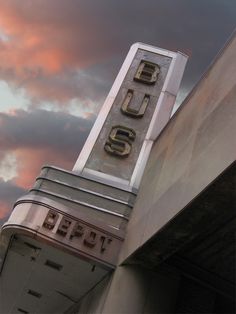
(144, 107)
(40, 278)
(31, 217)
(65, 222)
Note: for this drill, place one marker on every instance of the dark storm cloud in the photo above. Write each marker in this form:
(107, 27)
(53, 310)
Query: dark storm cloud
(198, 28)
(41, 137)
(60, 88)
(49, 50)
(58, 131)
(9, 192)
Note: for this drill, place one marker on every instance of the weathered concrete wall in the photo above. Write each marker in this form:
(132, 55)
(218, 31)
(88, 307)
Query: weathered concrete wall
(194, 148)
(94, 301)
(133, 290)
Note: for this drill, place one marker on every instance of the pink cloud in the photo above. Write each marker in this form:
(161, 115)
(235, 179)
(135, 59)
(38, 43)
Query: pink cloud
(46, 34)
(41, 137)
(9, 192)
(30, 161)
(4, 209)
(49, 42)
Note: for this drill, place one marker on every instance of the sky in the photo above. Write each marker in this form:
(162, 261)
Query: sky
(59, 58)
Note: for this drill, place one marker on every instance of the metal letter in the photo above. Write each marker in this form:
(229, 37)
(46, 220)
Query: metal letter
(64, 226)
(78, 231)
(91, 240)
(147, 72)
(105, 242)
(50, 220)
(120, 141)
(133, 112)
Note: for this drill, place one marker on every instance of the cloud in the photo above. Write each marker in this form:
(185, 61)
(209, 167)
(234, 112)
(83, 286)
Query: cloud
(9, 192)
(50, 45)
(40, 129)
(50, 34)
(8, 166)
(38, 137)
(54, 47)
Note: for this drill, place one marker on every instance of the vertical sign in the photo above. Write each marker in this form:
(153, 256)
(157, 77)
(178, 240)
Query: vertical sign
(136, 109)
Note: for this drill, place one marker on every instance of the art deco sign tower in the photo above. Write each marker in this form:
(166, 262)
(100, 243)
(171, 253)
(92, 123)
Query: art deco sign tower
(65, 235)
